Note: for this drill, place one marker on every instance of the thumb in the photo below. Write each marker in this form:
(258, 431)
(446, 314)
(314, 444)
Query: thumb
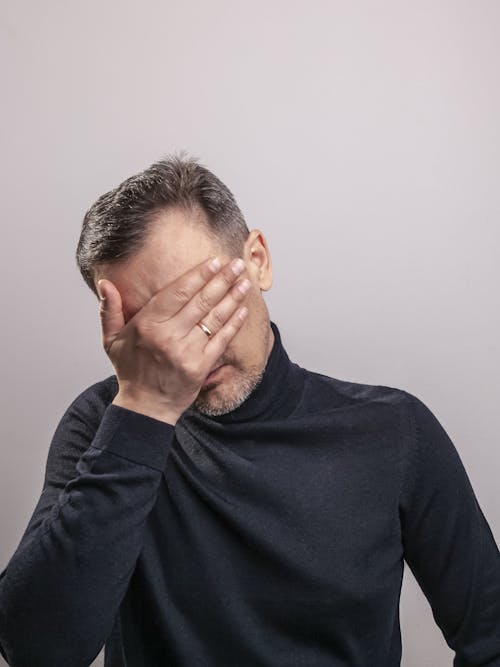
(110, 312)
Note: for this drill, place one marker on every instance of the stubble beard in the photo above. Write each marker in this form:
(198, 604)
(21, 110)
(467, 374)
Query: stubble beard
(219, 398)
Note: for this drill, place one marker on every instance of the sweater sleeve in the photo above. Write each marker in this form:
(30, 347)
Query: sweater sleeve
(448, 543)
(62, 587)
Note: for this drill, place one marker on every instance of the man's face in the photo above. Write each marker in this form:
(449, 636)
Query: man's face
(177, 242)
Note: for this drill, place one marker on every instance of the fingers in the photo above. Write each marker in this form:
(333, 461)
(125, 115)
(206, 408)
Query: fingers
(216, 301)
(217, 344)
(191, 296)
(217, 317)
(110, 312)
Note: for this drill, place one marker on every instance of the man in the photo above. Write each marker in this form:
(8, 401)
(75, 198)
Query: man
(213, 503)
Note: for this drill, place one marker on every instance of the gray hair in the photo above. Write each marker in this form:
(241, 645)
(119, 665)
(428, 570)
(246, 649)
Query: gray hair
(117, 224)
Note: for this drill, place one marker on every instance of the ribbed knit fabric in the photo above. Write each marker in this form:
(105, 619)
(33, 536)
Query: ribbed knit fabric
(272, 536)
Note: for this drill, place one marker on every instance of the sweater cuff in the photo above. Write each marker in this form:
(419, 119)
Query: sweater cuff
(134, 436)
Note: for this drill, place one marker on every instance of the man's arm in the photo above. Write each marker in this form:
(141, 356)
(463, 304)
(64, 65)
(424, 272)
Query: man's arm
(448, 543)
(61, 589)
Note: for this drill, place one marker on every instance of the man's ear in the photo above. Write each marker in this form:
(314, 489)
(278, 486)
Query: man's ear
(258, 259)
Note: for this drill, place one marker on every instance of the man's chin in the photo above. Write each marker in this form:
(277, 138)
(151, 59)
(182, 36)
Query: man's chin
(212, 400)
(226, 394)
(211, 409)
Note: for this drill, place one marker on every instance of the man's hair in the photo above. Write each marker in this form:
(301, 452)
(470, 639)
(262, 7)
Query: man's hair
(117, 224)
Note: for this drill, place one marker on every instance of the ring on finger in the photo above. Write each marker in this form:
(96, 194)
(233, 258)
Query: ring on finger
(204, 328)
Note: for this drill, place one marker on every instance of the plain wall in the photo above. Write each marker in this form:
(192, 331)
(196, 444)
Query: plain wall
(361, 138)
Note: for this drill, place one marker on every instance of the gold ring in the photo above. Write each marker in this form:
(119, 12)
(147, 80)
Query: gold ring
(204, 328)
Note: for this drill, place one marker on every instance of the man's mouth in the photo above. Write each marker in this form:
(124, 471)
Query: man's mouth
(213, 373)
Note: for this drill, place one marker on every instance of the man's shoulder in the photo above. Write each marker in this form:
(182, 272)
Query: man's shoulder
(91, 402)
(329, 391)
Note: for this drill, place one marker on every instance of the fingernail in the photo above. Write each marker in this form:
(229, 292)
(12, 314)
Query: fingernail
(237, 265)
(244, 286)
(215, 264)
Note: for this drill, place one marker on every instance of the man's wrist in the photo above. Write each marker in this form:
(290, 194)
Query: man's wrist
(148, 407)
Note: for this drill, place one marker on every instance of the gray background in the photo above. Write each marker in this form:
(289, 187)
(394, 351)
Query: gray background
(361, 138)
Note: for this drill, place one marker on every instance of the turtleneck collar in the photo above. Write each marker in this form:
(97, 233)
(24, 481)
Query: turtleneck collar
(274, 397)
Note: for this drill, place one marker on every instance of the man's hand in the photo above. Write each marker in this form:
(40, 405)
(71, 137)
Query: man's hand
(161, 357)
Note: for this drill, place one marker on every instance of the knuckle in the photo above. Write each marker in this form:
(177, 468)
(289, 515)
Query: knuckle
(190, 367)
(163, 343)
(228, 276)
(237, 294)
(168, 341)
(140, 328)
(217, 318)
(203, 302)
(146, 334)
(174, 350)
(180, 294)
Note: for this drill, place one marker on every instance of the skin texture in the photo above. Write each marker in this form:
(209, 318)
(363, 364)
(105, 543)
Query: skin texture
(176, 243)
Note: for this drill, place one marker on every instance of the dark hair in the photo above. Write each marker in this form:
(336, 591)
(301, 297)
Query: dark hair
(118, 223)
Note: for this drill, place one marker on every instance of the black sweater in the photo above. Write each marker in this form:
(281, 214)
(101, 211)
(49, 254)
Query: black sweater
(271, 536)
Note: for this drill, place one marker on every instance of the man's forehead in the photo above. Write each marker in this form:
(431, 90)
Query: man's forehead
(170, 251)
(167, 255)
